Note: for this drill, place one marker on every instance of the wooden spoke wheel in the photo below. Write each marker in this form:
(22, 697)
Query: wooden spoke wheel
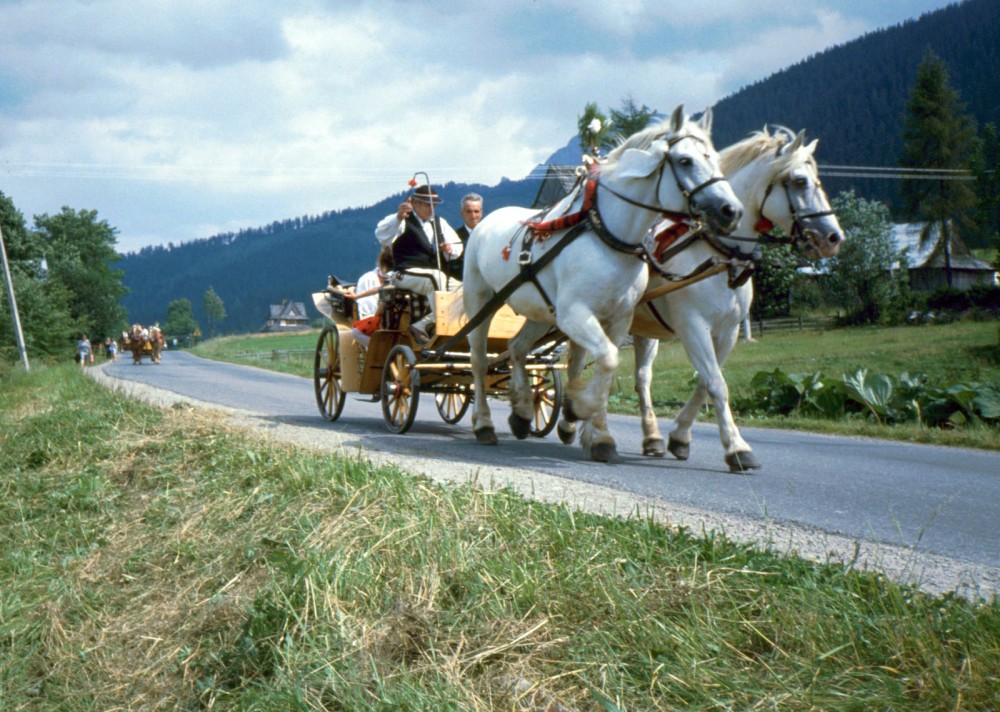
(400, 389)
(547, 389)
(327, 374)
(452, 406)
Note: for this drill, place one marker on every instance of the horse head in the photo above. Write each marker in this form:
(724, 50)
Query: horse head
(678, 156)
(783, 188)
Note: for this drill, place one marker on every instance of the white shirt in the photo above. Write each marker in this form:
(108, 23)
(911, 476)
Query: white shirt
(367, 306)
(390, 227)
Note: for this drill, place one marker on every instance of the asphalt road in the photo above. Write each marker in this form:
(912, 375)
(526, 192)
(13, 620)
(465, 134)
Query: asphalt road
(940, 501)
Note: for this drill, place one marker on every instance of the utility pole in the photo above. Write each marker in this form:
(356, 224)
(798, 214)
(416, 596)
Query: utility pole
(9, 283)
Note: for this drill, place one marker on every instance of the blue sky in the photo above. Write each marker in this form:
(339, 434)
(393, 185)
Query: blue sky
(179, 119)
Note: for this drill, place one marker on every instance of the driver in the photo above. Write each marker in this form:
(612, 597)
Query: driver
(416, 235)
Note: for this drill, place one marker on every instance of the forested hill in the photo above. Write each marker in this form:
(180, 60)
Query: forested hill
(853, 97)
(290, 259)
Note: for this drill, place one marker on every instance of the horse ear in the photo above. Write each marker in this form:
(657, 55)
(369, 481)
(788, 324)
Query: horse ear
(800, 138)
(705, 122)
(811, 148)
(677, 120)
(636, 163)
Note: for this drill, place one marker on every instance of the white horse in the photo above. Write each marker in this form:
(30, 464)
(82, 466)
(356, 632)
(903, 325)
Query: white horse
(775, 176)
(585, 280)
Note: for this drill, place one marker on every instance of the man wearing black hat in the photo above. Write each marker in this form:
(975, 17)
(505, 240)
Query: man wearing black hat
(417, 235)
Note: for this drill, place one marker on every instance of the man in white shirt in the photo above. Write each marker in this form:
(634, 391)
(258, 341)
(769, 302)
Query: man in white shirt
(418, 238)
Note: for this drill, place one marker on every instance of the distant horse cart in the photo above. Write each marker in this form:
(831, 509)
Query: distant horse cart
(395, 369)
(142, 342)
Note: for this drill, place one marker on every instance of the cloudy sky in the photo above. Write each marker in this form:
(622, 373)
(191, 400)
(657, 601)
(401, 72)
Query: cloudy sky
(180, 119)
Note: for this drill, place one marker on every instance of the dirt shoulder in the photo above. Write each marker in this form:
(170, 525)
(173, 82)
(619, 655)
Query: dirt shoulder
(932, 574)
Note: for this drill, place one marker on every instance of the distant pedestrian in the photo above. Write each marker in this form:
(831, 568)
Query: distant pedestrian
(112, 349)
(83, 354)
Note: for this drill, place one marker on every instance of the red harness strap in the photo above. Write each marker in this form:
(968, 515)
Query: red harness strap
(545, 228)
(665, 238)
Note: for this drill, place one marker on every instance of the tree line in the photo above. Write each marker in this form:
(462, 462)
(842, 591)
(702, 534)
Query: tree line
(937, 135)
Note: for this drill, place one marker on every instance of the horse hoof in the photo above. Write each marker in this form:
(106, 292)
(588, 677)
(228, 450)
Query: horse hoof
(682, 451)
(486, 436)
(521, 427)
(566, 434)
(653, 447)
(603, 452)
(569, 415)
(742, 461)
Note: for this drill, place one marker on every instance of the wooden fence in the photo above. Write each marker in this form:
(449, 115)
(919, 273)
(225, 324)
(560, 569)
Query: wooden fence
(274, 354)
(760, 327)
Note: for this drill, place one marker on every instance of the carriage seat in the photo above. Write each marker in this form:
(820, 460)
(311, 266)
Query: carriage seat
(396, 302)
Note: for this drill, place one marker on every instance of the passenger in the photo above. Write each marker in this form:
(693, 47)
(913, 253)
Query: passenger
(416, 235)
(472, 213)
(366, 295)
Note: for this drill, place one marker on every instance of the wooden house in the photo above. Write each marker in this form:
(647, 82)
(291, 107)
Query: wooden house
(287, 316)
(925, 259)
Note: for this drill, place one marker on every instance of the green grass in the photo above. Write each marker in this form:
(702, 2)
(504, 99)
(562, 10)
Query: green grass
(264, 350)
(153, 559)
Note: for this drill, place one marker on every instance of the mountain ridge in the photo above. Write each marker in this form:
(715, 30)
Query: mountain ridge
(851, 96)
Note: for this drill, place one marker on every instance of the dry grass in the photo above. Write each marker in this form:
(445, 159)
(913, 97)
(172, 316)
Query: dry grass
(155, 560)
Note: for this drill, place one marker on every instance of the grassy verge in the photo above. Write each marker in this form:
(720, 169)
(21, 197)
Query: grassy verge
(947, 353)
(277, 352)
(157, 560)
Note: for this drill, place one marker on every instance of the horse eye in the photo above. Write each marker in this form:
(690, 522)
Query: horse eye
(801, 182)
(686, 162)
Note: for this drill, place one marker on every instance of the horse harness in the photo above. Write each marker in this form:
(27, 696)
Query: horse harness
(575, 224)
(589, 215)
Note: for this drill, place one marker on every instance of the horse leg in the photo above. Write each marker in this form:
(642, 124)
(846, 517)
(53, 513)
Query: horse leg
(522, 397)
(475, 294)
(707, 354)
(596, 438)
(591, 402)
(739, 455)
(645, 354)
(574, 368)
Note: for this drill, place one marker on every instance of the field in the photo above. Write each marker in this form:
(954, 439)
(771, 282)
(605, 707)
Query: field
(156, 559)
(946, 353)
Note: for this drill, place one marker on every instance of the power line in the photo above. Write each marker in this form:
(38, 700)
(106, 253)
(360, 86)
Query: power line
(894, 172)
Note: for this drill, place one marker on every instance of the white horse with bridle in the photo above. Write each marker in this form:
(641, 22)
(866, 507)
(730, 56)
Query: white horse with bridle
(580, 271)
(776, 178)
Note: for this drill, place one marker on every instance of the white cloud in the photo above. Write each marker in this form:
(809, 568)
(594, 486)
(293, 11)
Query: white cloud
(178, 118)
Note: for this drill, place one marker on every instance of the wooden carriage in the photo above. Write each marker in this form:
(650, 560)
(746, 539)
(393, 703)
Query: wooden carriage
(142, 343)
(395, 369)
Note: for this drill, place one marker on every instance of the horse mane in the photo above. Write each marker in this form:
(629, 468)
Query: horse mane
(741, 154)
(643, 139)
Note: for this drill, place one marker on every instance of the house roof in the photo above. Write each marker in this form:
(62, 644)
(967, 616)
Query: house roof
(929, 254)
(289, 310)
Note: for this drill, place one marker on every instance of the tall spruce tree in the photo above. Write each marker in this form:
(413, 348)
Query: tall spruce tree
(987, 172)
(938, 135)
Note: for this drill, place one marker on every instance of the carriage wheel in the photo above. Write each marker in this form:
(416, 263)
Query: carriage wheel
(452, 406)
(547, 390)
(327, 373)
(400, 389)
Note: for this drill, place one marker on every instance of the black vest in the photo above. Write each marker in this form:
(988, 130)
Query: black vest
(412, 248)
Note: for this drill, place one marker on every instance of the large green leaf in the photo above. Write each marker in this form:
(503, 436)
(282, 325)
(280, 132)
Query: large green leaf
(874, 391)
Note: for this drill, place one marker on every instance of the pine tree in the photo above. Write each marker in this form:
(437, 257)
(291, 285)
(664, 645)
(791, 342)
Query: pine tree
(631, 118)
(215, 310)
(937, 135)
(987, 172)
